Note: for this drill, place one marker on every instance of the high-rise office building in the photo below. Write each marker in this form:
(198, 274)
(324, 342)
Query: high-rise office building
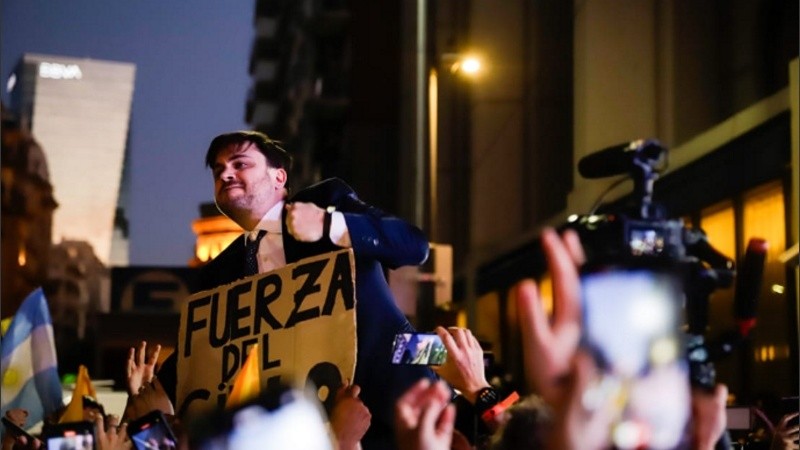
(79, 110)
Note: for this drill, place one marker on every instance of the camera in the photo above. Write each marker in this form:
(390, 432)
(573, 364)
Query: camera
(639, 233)
(644, 295)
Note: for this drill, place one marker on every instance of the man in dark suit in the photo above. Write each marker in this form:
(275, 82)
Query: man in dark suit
(250, 174)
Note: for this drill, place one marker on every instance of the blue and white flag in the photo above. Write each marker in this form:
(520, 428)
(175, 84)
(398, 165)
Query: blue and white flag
(29, 369)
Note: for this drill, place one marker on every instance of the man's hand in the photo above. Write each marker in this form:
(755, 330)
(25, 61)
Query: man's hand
(350, 418)
(20, 443)
(579, 424)
(141, 368)
(708, 417)
(112, 436)
(424, 417)
(786, 434)
(549, 349)
(463, 368)
(18, 417)
(305, 221)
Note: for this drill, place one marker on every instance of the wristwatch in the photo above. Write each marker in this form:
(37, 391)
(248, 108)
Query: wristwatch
(485, 400)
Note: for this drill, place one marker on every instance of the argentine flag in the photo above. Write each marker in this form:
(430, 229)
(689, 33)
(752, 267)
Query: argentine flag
(29, 370)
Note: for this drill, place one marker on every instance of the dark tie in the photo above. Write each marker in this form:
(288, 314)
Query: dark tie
(251, 254)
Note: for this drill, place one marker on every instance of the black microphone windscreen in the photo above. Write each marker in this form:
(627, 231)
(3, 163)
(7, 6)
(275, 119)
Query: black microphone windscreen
(607, 162)
(619, 159)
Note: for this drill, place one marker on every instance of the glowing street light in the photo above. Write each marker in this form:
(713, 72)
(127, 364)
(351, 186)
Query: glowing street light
(468, 65)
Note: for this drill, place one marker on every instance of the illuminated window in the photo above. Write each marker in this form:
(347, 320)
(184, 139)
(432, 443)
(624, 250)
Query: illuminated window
(719, 223)
(729, 225)
(764, 217)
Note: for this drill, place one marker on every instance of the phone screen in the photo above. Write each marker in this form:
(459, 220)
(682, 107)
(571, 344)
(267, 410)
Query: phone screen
(152, 432)
(71, 436)
(424, 349)
(632, 326)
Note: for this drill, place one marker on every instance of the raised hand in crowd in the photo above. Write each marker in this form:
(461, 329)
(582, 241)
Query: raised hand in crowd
(549, 349)
(464, 367)
(708, 417)
(141, 367)
(787, 433)
(350, 418)
(424, 417)
(111, 435)
(13, 441)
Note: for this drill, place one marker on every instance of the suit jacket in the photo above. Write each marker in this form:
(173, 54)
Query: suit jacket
(379, 241)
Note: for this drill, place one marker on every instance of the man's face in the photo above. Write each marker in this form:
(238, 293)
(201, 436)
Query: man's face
(245, 187)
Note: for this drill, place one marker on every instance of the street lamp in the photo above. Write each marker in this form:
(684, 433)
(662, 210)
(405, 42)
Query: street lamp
(467, 64)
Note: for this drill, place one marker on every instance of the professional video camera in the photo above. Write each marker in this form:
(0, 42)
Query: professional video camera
(642, 267)
(641, 233)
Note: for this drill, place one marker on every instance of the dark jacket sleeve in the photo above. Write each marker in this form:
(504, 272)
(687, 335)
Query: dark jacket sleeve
(387, 239)
(374, 234)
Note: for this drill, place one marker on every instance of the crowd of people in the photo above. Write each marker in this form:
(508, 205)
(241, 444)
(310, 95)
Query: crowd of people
(425, 415)
(410, 407)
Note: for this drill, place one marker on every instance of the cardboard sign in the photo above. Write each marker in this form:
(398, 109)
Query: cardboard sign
(302, 315)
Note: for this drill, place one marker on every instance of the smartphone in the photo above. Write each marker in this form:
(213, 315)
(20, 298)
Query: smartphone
(280, 418)
(15, 430)
(424, 349)
(152, 431)
(70, 435)
(632, 318)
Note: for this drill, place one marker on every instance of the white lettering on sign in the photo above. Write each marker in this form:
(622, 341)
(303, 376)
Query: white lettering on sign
(58, 71)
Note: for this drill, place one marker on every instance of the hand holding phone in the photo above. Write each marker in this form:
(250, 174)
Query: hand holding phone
(15, 430)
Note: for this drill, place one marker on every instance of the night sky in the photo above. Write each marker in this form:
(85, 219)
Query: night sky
(191, 84)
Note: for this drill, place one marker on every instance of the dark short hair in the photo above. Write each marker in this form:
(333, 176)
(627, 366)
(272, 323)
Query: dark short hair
(277, 157)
